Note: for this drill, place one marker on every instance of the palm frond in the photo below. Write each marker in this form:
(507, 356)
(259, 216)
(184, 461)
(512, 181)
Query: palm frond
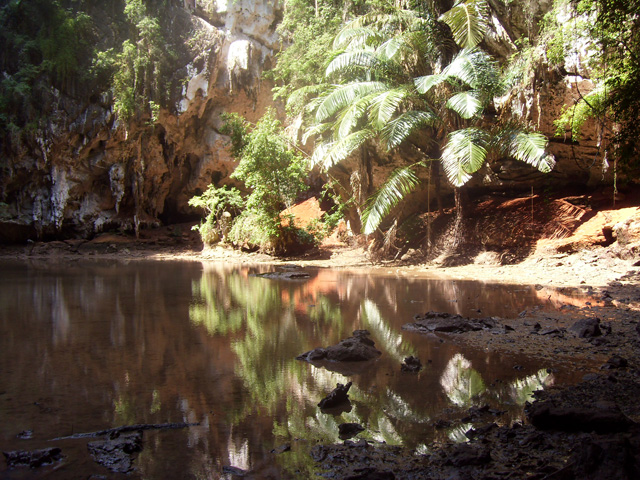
(400, 183)
(531, 148)
(527, 147)
(390, 48)
(464, 67)
(385, 104)
(467, 20)
(327, 154)
(315, 130)
(301, 94)
(356, 37)
(465, 104)
(398, 130)
(345, 95)
(427, 82)
(464, 153)
(350, 59)
(349, 116)
(399, 19)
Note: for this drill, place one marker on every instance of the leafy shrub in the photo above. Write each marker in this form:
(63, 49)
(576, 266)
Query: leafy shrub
(216, 202)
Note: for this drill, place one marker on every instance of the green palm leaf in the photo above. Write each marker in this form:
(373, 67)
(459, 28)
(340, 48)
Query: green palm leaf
(328, 154)
(385, 104)
(398, 130)
(345, 95)
(390, 48)
(400, 183)
(531, 148)
(527, 147)
(464, 153)
(350, 59)
(348, 118)
(315, 130)
(465, 104)
(426, 83)
(355, 37)
(467, 20)
(464, 67)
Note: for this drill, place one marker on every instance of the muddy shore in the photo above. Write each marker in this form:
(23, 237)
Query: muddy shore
(565, 441)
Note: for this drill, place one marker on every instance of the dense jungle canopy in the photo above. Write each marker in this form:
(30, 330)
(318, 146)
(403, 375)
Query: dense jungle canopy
(135, 113)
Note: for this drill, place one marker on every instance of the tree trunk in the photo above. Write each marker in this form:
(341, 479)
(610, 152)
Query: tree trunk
(457, 227)
(435, 171)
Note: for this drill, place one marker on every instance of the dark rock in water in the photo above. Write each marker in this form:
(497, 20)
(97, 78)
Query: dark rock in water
(284, 275)
(349, 430)
(611, 457)
(371, 474)
(33, 458)
(450, 323)
(476, 432)
(586, 328)
(234, 471)
(25, 435)
(117, 454)
(411, 364)
(338, 395)
(281, 449)
(616, 361)
(598, 418)
(466, 454)
(357, 348)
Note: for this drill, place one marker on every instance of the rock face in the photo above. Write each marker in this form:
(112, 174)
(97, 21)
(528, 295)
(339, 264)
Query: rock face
(83, 171)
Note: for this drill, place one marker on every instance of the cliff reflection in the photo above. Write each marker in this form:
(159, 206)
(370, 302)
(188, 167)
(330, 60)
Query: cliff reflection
(97, 345)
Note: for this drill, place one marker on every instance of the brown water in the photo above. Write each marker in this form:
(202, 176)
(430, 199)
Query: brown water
(87, 346)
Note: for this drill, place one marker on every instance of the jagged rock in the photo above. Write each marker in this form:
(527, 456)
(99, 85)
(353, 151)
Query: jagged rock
(117, 453)
(238, 472)
(601, 418)
(465, 454)
(616, 361)
(357, 348)
(448, 323)
(411, 364)
(337, 397)
(372, 474)
(33, 458)
(607, 458)
(586, 328)
(349, 430)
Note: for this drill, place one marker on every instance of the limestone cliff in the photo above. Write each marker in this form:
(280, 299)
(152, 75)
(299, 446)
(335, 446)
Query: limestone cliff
(81, 170)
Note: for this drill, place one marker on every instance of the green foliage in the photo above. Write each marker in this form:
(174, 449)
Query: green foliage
(614, 26)
(385, 89)
(43, 45)
(140, 70)
(215, 202)
(275, 175)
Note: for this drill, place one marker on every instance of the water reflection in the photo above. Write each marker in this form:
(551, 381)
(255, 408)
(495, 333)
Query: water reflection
(95, 345)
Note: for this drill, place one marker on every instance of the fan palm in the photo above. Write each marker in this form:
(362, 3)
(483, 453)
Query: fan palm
(385, 89)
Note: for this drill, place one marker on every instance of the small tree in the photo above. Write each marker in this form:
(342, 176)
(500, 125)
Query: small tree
(216, 202)
(275, 174)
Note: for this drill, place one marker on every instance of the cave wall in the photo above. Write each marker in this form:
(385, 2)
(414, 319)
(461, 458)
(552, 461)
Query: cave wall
(83, 172)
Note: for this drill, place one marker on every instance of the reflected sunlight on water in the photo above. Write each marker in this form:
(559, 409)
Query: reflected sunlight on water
(86, 346)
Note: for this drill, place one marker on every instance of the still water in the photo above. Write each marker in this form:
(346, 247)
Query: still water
(86, 346)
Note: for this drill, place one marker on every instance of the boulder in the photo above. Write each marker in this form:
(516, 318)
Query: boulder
(337, 397)
(358, 348)
(601, 418)
(586, 328)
